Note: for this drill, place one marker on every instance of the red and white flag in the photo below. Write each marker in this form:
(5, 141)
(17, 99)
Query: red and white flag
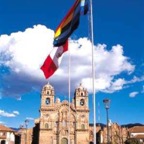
(53, 60)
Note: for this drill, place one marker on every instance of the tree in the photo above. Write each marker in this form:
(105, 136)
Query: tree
(132, 141)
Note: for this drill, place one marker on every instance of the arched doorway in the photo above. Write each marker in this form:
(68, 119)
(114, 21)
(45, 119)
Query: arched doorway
(3, 142)
(64, 141)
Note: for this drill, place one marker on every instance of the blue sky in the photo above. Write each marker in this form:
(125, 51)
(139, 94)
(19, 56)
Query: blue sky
(26, 37)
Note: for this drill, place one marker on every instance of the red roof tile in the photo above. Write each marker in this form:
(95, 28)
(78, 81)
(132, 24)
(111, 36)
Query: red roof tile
(4, 128)
(137, 129)
(139, 136)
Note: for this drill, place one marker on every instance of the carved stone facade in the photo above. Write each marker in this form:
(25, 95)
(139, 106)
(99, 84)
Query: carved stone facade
(117, 134)
(61, 122)
(26, 135)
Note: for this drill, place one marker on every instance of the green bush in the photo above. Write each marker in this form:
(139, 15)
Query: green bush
(132, 141)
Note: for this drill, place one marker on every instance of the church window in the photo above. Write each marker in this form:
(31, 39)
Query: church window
(91, 133)
(47, 101)
(83, 126)
(82, 94)
(64, 141)
(48, 92)
(83, 116)
(74, 125)
(56, 124)
(46, 126)
(64, 123)
(3, 134)
(82, 102)
(47, 115)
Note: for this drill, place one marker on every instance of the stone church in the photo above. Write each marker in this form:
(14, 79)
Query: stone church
(61, 122)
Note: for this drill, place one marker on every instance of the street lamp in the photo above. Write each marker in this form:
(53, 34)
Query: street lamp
(107, 106)
(26, 125)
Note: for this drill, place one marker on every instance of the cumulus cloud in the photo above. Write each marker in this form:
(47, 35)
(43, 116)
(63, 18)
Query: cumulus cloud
(22, 54)
(133, 94)
(7, 114)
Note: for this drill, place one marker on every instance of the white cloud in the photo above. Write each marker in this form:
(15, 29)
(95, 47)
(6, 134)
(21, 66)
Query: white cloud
(24, 52)
(16, 112)
(133, 94)
(7, 114)
(30, 118)
(136, 79)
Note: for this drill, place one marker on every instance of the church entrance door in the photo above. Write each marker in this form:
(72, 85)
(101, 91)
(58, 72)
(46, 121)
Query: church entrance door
(3, 142)
(64, 141)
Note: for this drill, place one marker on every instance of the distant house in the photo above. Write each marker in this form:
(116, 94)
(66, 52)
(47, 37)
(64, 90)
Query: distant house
(6, 135)
(137, 132)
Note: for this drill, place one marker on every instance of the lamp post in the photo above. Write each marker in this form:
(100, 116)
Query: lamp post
(107, 106)
(26, 125)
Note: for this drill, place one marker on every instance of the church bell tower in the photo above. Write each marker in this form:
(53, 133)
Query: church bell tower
(81, 98)
(82, 114)
(46, 108)
(47, 97)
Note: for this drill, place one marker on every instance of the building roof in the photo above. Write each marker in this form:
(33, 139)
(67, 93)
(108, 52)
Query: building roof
(139, 136)
(4, 128)
(137, 129)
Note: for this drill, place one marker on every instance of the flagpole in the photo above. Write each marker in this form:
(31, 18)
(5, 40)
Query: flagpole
(69, 89)
(93, 68)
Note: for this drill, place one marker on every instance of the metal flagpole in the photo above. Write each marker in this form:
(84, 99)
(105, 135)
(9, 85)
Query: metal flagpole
(69, 86)
(93, 67)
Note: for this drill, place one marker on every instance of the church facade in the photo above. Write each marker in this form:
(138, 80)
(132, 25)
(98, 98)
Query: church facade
(60, 122)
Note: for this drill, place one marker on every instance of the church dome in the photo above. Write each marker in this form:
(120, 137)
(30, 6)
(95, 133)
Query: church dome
(48, 86)
(80, 91)
(80, 87)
